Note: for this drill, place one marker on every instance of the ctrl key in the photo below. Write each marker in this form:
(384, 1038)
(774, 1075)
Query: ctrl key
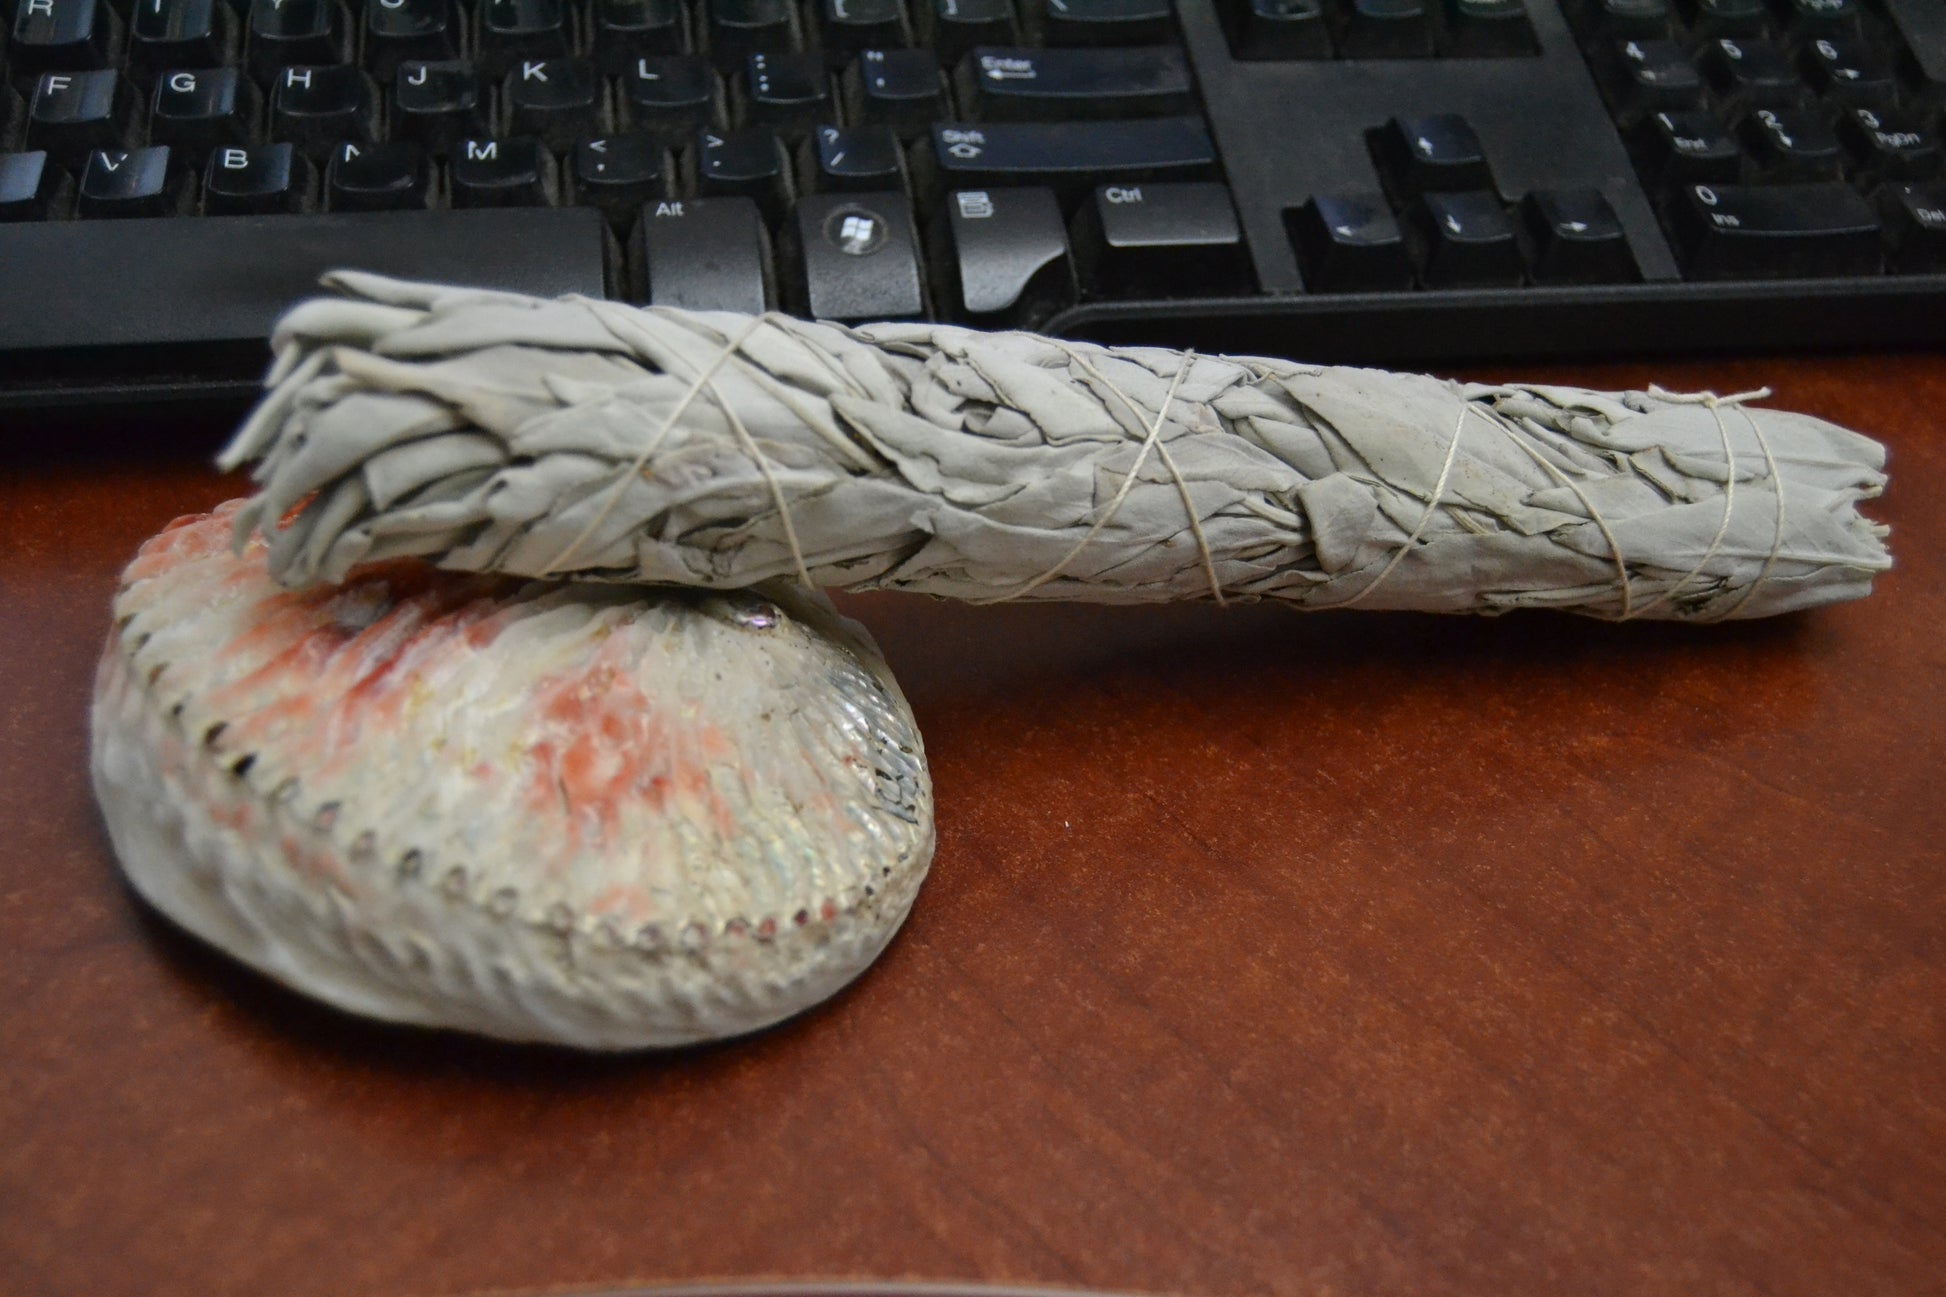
(1350, 243)
(1161, 240)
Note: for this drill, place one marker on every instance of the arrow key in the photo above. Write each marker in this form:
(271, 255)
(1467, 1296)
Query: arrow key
(1470, 241)
(1349, 243)
(1577, 238)
(1437, 153)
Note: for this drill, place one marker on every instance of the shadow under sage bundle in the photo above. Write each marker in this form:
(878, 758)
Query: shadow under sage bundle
(342, 786)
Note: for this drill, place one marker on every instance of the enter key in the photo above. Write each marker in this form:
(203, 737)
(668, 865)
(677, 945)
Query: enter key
(999, 83)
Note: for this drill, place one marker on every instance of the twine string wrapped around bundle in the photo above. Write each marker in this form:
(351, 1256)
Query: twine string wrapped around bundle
(585, 439)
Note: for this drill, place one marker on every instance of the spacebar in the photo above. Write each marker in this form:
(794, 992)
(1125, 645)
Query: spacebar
(117, 290)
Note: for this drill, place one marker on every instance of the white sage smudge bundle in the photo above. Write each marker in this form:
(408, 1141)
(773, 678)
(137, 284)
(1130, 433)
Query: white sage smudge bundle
(625, 815)
(577, 438)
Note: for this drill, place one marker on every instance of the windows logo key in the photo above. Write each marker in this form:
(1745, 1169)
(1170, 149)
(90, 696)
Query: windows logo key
(855, 231)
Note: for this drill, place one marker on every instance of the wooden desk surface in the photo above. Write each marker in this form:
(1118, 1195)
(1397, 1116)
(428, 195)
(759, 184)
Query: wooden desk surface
(1353, 954)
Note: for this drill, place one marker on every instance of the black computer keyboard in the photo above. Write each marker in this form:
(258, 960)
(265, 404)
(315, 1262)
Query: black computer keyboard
(1386, 180)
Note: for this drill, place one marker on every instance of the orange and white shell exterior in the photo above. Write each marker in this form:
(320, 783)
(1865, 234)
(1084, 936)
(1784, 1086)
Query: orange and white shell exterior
(602, 816)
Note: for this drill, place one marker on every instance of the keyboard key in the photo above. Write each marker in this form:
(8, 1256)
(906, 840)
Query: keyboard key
(951, 28)
(194, 112)
(618, 173)
(1713, 18)
(1350, 243)
(1654, 76)
(438, 104)
(856, 258)
(1000, 84)
(416, 31)
(707, 254)
(1793, 144)
(1917, 225)
(285, 33)
(897, 88)
(1577, 238)
(1072, 156)
(74, 113)
(1438, 152)
(1161, 240)
(1690, 147)
(1889, 145)
(1283, 29)
(854, 158)
(626, 30)
(1634, 19)
(1387, 29)
(1100, 22)
(512, 31)
(245, 276)
(502, 173)
(168, 34)
(31, 186)
(558, 100)
(849, 27)
(254, 181)
(1009, 262)
(128, 182)
(1847, 69)
(1772, 231)
(1922, 29)
(1751, 72)
(1488, 29)
(1812, 18)
(1470, 241)
(748, 163)
(740, 28)
(52, 35)
(376, 178)
(790, 92)
(671, 96)
(317, 108)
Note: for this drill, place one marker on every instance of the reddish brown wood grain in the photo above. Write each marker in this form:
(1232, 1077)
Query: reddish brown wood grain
(1341, 955)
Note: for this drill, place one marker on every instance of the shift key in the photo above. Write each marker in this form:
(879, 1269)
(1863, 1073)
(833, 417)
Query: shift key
(1072, 156)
